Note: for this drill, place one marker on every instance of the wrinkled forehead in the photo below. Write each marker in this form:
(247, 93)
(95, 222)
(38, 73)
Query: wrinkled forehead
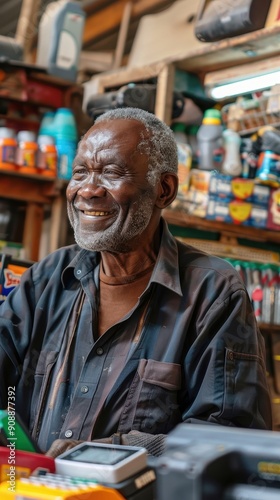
(117, 131)
(122, 141)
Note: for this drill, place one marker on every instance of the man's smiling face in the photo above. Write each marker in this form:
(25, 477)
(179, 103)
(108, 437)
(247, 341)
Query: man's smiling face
(109, 199)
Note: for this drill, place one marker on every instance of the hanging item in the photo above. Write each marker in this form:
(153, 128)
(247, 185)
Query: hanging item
(219, 19)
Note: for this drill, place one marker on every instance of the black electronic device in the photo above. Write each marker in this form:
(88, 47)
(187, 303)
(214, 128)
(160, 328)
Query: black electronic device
(142, 96)
(219, 19)
(210, 462)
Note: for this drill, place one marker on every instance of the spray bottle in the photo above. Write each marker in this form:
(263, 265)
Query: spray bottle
(232, 161)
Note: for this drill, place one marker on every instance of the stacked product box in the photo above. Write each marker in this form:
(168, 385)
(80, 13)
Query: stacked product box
(194, 199)
(237, 201)
(273, 219)
(11, 271)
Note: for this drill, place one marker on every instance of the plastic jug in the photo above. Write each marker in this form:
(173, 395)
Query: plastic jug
(66, 135)
(210, 153)
(60, 38)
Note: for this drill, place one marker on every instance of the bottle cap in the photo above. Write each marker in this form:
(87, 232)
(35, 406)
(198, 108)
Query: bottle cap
(26, 136)
(7, 133)
(212, 116)
(45, 140)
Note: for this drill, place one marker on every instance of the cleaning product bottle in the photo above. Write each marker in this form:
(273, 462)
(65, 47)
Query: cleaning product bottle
(232, 160)
(210, 151)
(60, 38)
(65, 132)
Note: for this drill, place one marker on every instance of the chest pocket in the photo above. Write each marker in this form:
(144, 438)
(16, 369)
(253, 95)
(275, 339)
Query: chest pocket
(152, 400)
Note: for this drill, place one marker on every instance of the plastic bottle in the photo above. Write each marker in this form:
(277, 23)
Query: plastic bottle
(66, 135)
(232, 160)
(256, 290)
(8, 148)
(249, 158)
(46, 125)
(47, 156)
(26, 156)
(60, 38)
(210, 152)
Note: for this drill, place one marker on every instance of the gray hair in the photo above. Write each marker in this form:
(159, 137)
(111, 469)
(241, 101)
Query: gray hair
(160, 146)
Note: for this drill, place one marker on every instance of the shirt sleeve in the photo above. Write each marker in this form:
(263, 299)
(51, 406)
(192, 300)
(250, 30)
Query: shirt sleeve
(15, 328)
(225, 375)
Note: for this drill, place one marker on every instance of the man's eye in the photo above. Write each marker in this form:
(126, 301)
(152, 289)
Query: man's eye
(79, 171)
(112, 171)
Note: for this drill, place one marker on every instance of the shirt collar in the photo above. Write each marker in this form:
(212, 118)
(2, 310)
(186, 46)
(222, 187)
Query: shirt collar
(165, 272)
(83, 263)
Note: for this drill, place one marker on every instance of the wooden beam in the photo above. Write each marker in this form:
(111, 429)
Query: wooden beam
(27, 26)
(32, 230)
(109, 19)
(122, 35)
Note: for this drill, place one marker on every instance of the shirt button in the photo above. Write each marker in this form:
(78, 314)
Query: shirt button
(84, 389)
(68, 433)
(99, 351)
(79, 271)
(230, 355)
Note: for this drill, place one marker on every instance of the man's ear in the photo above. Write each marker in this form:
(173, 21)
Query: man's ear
(167, 189)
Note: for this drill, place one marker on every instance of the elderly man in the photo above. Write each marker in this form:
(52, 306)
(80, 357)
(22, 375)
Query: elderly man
(129, 332)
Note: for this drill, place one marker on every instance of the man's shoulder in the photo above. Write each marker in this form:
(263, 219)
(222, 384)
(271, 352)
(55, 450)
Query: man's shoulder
(190, 256)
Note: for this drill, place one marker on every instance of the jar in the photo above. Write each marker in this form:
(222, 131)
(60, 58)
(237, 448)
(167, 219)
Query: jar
(26, 156)
(8, 148)
(46, 156)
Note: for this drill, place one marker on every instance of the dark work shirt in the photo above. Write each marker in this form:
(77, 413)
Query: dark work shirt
(199, 356)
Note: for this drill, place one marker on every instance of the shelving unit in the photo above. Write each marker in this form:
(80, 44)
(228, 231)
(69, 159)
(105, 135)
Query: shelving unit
(26, 85)
(37, 192)
(229, 230)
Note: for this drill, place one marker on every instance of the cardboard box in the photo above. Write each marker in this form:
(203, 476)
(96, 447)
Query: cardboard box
(237, 212)
(273, 218)
(227, 187)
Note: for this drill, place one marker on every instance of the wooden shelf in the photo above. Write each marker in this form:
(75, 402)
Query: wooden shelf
(234, 51)
(250, 233)
(29, 188)
(268, 328)
(243, 49)
(37, 192)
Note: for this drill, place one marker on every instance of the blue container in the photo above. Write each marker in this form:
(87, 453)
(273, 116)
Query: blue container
(46, 126)
(66, 151)
(64, 125)
(65, 133)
